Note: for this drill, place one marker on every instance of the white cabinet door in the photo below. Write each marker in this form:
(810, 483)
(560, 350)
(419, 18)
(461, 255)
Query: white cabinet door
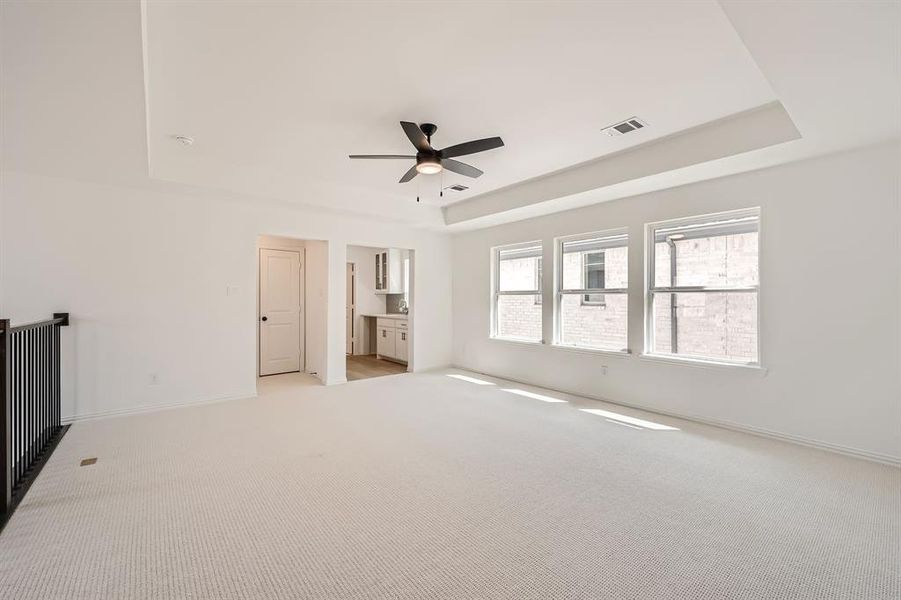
(378, 271)
(387, 343)
(401, 346)
(389, 271)
(395, 283)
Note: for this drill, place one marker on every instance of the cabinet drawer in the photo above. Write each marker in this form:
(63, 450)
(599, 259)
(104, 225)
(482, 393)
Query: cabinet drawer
(389, 323)
(401, 324)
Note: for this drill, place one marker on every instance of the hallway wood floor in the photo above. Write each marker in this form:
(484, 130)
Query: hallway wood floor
(366, 366)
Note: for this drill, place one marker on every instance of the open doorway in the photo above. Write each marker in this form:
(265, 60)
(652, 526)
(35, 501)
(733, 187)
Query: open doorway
(379, 312)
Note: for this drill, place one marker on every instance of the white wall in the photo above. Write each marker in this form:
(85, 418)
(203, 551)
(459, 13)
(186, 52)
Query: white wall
(316, 277)
(144, 273)
(830, 297)
(368, 302)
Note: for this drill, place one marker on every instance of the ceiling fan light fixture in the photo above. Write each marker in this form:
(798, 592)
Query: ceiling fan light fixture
(429, 166)
(430, 160)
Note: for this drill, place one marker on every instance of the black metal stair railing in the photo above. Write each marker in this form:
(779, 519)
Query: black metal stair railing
(30, 420)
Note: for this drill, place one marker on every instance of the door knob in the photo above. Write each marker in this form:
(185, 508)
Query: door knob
(265, 318)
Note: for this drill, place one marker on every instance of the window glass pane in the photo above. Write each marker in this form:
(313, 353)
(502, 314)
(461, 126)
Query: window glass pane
(593, 269)
(719, 326)
(602, 324)
(717, 253)
(596, 263)
(518, 269)
(519, 317)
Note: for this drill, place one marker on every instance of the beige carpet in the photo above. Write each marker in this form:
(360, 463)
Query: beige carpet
(430, 487)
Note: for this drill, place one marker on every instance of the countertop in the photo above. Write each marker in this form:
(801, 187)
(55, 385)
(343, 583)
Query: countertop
(389, 316)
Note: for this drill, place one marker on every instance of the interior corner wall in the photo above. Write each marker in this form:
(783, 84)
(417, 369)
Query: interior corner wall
(830, 300)
(145, 272)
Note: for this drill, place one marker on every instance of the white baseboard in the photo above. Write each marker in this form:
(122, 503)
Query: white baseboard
(887, 459)
(148, 408)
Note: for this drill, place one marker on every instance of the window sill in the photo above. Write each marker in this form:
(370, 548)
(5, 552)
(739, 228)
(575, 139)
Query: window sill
(703, 364)
(598, 351)
(529, 343)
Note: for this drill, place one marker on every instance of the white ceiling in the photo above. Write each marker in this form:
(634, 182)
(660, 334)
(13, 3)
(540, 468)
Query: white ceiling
(278, 94)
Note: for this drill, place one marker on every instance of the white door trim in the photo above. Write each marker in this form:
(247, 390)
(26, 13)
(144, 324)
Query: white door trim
(351, 308)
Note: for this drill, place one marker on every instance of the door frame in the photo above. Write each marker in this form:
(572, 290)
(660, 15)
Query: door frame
(301, 251)
(351, 271)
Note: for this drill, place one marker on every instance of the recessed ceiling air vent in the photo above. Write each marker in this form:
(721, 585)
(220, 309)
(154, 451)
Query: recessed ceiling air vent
(457, 187)
(627, 126)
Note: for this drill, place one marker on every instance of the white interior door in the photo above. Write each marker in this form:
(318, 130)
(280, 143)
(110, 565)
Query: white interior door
(351, 308)
(281, 350)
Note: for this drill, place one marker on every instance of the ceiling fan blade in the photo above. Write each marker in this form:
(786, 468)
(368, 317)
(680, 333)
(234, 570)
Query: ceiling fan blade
(471, 147)
(416, 136)
(381, 156)
(462, 168)
(409, 175)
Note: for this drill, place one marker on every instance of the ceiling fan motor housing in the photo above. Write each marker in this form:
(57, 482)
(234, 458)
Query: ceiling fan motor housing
(429, 129)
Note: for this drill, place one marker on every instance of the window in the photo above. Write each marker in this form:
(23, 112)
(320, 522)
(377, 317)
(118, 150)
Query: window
(703, 288)
(517, 292)
(592, 309)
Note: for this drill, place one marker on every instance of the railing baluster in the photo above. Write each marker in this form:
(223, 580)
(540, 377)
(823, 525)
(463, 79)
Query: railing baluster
(39, 396)
(13, 408)
(45, 346)
(39, 439)
(16, 369)
(32, 409)
(32, 346)
(22, 344)
(15, 345)
(45, 422)
(20, 401)
(6, 476)
(58, 379)
(29, 384)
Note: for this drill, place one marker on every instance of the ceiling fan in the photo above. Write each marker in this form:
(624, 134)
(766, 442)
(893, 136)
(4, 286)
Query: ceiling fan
(430, 160)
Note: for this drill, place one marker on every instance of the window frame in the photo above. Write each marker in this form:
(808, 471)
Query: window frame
(496, 292)
(560, 291)
(650, 290)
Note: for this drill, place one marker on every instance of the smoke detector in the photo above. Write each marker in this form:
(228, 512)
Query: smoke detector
(184, 140)
(624, 127)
